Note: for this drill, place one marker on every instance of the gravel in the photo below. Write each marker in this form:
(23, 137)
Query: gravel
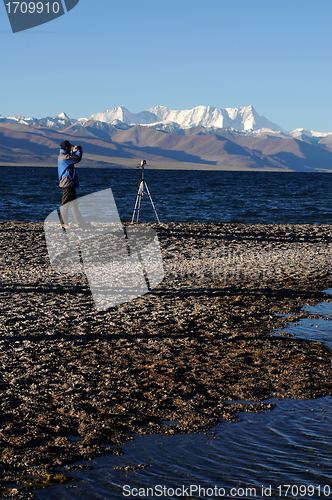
(76, 383)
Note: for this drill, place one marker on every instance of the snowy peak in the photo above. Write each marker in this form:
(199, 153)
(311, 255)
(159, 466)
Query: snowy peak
(300, 132)
(21, 120)
(62, 116)
(121, 114)
(58, 121)
(243, 119)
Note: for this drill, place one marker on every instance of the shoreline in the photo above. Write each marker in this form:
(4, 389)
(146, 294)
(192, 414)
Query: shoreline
(74, 380)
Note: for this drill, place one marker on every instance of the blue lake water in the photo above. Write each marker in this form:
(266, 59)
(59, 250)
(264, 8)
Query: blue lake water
(291, 445)
(285, 453)
(30, 194)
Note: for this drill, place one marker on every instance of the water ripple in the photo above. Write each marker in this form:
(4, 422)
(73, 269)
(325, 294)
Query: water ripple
(290, 445)
(30, 194)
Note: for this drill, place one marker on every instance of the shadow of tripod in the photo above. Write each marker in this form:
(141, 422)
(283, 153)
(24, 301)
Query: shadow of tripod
(141, 187)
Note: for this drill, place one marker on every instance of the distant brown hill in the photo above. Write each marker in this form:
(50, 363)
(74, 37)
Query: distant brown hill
(107, 145)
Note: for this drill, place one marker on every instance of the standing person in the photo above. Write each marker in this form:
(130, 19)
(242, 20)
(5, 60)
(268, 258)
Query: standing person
(68, 181)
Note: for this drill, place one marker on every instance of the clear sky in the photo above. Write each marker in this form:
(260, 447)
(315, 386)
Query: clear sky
(274, 55)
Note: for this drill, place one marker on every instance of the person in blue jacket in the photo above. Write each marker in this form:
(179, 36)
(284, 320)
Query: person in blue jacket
(68, 181)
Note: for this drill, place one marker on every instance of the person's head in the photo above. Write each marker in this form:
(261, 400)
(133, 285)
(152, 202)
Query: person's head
(66, 145)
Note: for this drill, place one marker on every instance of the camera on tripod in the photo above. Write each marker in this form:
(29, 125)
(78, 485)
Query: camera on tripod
(141, 186)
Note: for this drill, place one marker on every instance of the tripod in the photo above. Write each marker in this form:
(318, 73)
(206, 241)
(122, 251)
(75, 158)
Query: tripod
(142, 184)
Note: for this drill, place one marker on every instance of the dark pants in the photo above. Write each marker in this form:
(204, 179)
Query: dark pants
(69, 199)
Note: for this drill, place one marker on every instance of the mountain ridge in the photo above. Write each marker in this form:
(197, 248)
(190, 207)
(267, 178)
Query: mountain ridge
(192, 139)
(245, 118)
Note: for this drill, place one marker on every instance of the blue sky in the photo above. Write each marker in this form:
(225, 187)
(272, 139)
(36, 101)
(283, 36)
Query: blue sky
(273, 55)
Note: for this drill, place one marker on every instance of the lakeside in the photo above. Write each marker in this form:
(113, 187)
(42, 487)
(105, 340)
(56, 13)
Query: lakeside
(201, 338)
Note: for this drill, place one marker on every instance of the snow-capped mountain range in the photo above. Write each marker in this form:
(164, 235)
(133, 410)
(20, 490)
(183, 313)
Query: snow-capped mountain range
(244, 120)
(200, 138)
(241, 119)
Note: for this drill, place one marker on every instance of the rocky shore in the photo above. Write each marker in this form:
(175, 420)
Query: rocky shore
(76, 383)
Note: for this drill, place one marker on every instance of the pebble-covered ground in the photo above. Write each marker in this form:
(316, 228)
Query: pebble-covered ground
(75, 383)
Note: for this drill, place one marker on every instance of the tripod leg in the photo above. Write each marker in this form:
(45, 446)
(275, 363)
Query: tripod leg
(138, 201)
(133, 217)
(155, 211)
